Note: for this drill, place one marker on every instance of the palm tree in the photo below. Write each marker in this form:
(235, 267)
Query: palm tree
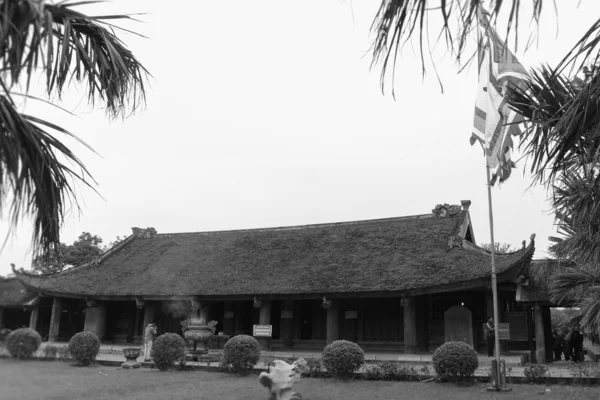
(37, 170)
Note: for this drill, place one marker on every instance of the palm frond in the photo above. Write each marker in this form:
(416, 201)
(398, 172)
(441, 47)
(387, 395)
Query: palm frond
(67, 44)
(589, 311)
(562, 131)
(33, 173)
(573, 283)
(576, 206)
(397, 21)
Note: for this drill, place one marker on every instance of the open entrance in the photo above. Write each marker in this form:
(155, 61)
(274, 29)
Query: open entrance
(311, 323)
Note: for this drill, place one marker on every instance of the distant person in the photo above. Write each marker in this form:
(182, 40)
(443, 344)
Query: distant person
(576, 344)
(149, 335)
(490, 335)
(566, 346)
(559, 344)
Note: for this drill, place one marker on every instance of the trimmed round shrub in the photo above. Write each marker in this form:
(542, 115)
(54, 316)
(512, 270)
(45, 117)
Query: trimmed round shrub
(342, 358)
(23, 342)
(84, 347)
(241, 353)
(166, 350)
(455, 361)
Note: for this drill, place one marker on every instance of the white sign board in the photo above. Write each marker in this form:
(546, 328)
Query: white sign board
(262, 331)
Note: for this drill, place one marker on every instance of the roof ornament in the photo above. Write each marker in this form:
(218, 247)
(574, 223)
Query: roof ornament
(454, 241)
(446, 210)
(143, 233)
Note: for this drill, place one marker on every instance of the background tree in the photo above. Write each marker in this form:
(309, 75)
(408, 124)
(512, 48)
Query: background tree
(501, 248)
(53, 43)
(85, 249)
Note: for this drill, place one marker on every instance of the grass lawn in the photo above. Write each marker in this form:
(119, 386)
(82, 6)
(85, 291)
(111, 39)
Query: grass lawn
(30, 380)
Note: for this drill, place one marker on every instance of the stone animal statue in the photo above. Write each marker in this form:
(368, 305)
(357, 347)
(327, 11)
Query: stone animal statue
(280, 378)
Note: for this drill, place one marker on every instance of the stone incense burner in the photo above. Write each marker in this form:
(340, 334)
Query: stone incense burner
(198, 331)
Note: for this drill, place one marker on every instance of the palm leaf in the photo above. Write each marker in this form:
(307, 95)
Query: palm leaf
(34, 173)
(397, 21)
(67, 44)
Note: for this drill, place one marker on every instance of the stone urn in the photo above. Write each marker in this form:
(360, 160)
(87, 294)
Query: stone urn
(198, 332)
(131, 355)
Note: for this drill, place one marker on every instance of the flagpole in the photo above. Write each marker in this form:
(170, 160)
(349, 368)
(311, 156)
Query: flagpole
(494, 283)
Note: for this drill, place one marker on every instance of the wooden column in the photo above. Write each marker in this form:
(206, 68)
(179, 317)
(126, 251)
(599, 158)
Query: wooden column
(95, 319)
(33, 317)
(55, 319)
(489, 305)
(238, 321)
(422, 308)
(148, 316)
(540, 340)
(228, 318)
(547, 321)
(1, 317)
(360, 335)
(529, 313)
(410, 325)
(333, 322)
(286, 334)
(265, 319)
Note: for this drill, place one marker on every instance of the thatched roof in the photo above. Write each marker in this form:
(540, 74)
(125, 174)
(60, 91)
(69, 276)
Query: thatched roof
(406, 255)
(540, 273)
(14, 294)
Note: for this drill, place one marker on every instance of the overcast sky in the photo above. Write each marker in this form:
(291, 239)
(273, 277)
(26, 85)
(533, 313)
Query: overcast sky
(265, 113)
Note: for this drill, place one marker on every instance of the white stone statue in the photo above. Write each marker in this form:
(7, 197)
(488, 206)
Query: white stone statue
(280, 378)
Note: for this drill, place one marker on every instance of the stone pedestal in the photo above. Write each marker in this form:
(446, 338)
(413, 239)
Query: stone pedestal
(333, 322)
(95, 320)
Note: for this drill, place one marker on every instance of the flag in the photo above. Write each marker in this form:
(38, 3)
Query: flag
(495, 123)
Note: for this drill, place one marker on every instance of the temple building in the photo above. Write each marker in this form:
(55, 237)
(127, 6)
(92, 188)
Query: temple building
(16, 303)
(404, 284)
